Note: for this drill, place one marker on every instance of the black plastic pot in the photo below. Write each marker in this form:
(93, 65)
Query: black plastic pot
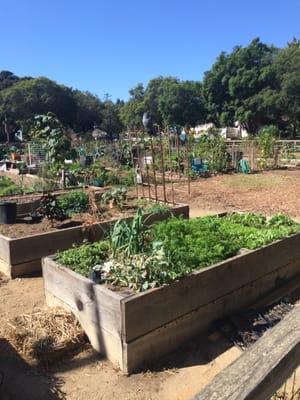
(8, 213)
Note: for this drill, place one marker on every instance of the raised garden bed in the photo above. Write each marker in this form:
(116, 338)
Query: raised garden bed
(21, 256)
(29, 203)
(133, 328)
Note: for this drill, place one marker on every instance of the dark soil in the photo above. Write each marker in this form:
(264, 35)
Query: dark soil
(23, 228)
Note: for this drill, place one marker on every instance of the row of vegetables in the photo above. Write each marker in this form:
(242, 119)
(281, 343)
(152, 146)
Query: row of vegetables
(138, 257)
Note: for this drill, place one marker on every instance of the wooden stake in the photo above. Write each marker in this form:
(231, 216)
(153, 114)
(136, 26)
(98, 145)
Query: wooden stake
(153, 168)
(188, 165)
(133, 169)
(163, 167)
(171, 172)
(140, 168)
(147, 167)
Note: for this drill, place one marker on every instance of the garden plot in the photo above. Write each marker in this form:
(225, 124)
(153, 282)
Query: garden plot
(221, 265)
(22, 245)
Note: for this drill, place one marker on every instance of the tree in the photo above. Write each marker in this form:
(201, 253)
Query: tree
(88, 111)
(288, 73)
(181, 103)
(243, 86)
(7, 79)
(111, 122)
(132, 111)
(22, 101)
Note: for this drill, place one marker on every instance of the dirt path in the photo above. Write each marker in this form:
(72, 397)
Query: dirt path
(268, 192)
(87, 376)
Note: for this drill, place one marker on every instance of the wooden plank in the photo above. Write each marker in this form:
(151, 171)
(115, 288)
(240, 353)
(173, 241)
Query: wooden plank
(37, 246)
(5, 248)
(41, 245)
(93, 301)
(101, 340)
(171, 335)
(147, 311)
(24, 269)
(262, 369)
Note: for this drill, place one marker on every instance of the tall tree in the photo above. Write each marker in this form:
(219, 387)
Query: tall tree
(243, 86)
(288, 70)
(132, 111)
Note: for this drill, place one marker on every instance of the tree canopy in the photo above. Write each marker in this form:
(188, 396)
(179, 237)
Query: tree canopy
(257, 85)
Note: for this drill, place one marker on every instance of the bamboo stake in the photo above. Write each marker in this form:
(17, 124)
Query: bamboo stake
(188, 166)
(153, 168)
(171, 172)
(178, 160)
(163, 168)
(133, 169)
(147, 167)
(140, 168)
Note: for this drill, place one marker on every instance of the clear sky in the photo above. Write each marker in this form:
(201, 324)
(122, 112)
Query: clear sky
(109, 46)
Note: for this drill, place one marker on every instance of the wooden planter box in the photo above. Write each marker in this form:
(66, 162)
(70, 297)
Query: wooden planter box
(29, 203)
(131, 329)
(22, 256)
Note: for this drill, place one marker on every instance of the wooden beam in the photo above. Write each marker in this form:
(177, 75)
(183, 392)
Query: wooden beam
(261, 370)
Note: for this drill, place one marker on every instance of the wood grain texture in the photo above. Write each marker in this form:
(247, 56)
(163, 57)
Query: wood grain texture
(171, 335)
(149, 310)
(101, 340)
(93, 302)
(263, 368)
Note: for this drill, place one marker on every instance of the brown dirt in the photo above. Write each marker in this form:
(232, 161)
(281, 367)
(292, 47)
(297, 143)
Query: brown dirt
(87, 376)
(21, 229)
(267, 192)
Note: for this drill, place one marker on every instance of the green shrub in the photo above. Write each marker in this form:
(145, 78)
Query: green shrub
(8, 187)
(74, 202)
(83, 258)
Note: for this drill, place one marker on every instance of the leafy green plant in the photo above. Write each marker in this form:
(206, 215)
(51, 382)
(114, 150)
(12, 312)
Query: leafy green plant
(50, 133)
(128, 238)
(267, 141)
(140, 258)
(83, 258)
(213, 149)
(115, 197)
(8, 187)
(51, 208)
(74, 202)
(158, 208)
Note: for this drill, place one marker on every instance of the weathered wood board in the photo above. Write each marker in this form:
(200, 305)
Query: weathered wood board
(157, 321)
(204, 286)
(18, 255)
(263, 368)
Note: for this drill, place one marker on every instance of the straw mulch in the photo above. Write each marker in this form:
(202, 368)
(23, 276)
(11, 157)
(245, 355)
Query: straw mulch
(46, 335)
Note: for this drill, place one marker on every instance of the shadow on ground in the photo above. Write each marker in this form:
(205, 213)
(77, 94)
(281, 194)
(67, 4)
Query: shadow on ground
(20, 381)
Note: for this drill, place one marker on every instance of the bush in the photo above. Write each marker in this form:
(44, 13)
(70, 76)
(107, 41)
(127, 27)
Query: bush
(82, 259)
(8, 187)
(75, 202)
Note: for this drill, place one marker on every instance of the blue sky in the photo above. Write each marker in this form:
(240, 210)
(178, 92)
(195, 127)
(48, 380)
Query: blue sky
(109, 46)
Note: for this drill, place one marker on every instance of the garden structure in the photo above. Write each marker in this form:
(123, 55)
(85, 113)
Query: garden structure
(132, 328)
(22, 245)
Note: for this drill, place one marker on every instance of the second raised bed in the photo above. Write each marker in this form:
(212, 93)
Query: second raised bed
(131, 329)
